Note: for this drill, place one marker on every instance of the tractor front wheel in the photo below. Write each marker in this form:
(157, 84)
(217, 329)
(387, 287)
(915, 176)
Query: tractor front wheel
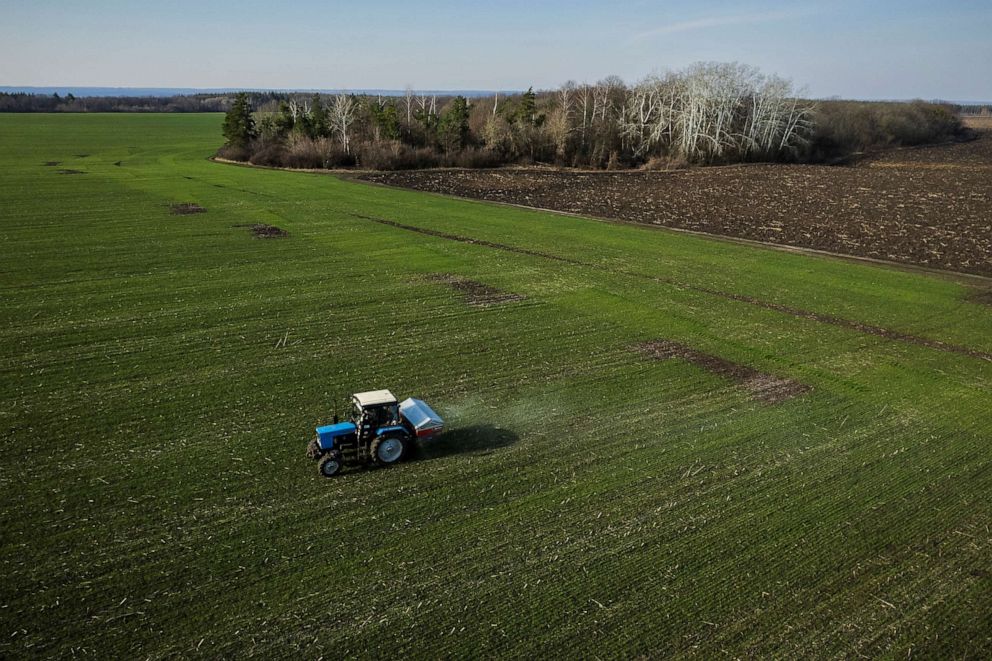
(388, 450)
(330, 464)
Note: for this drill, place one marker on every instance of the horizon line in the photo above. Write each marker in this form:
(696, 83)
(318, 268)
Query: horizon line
(476, 92)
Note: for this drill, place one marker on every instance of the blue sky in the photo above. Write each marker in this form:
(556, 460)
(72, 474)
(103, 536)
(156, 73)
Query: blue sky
(861, 49)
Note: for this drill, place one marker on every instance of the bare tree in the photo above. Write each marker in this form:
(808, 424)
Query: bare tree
(559, 125)
(294, 109)
(566, 97)
(585, 99)
(342, 115)
(714, 112)
(408, 94)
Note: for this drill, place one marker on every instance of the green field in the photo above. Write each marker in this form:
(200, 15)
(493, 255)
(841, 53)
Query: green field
(162, 375)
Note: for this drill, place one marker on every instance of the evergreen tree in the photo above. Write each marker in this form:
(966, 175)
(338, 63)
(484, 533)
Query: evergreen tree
(285, 122)
(453, 128)
(320, 125)
(239, 124)
(389, 122)
(527, 108)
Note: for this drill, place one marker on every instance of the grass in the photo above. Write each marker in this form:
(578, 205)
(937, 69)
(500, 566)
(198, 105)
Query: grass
(161, 375)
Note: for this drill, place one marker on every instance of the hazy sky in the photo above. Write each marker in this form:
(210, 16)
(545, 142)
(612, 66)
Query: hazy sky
(864, 49)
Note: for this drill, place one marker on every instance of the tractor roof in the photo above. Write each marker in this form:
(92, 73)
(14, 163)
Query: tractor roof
(374, 398)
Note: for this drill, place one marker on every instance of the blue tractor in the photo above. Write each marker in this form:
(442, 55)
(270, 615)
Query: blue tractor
(381, 432)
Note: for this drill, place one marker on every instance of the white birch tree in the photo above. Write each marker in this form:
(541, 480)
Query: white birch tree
(342, 116)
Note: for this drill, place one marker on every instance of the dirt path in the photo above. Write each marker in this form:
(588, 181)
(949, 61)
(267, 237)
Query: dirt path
(930, 206)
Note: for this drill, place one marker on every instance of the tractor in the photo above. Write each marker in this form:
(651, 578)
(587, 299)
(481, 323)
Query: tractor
(381, 432)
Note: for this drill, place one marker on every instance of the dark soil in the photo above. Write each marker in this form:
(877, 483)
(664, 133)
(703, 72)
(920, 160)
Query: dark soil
(51, 164)
(763, 387)
(926, 206)
(983, 297)
(476, 293)
(263, 231)
(68, 171)
(185, 208)
(867, 329)
(465, 239)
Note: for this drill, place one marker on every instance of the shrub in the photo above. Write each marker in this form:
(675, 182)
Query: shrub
(234, 153)
(472, 157)
(665, 163)
(394, 155)
(843, 128)
(304, 153)
(337, 157)
(270, 154)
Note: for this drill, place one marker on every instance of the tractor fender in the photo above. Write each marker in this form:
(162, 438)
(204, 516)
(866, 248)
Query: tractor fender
(392, 428)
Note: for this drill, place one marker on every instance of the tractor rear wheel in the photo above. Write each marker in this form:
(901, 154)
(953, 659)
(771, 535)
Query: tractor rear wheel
(388, 450)
(330, 464)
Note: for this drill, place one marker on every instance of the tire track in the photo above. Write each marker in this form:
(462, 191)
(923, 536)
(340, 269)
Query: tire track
(799, 313)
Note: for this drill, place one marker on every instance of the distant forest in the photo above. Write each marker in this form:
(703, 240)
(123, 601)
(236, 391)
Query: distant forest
(24, 102)
(708, 113)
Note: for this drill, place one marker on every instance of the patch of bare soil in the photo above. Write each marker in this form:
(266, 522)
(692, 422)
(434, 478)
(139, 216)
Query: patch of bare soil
(763, 387)
(69, 171)
(983, 297)
(476, 293)
(51, 164)
(185, 208)
(928, 206)
(263, 231)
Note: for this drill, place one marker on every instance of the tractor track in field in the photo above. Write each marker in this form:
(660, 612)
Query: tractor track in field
(799, 313)
(464, 239)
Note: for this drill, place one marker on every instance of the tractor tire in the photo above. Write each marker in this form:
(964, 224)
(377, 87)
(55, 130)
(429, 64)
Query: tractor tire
(313, 449)
(329, 465)
(389, 449)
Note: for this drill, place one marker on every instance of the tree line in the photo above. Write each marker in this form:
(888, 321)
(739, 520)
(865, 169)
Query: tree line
(24, 102)
(707, 113)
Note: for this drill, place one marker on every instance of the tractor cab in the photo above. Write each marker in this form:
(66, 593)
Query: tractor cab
(374, 410)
